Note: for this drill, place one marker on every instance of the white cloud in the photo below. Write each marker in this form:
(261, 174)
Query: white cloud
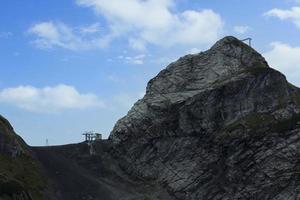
(49, 35)
(93, 28)
(49, 99)
(136, 60)
(241, 29)
(137, 44)
(154, 22)
(286, 59)
(292, 14)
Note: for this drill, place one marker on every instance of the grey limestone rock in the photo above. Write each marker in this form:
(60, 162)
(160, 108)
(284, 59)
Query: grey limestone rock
(220, 124)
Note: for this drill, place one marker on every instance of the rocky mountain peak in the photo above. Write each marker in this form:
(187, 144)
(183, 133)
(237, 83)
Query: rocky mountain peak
(230, 42)
(231, 80)
(235, 48)
(220, 124)
(227, 58)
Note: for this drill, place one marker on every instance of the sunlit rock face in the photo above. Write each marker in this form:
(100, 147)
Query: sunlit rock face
(220, 124)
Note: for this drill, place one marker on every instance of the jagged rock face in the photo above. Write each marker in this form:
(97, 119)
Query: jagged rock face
(220, 124)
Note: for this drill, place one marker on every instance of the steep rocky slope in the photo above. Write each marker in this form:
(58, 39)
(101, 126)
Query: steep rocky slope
(220, 124)
(20, 173)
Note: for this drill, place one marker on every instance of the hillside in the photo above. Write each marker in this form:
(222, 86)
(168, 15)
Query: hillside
(20, 174)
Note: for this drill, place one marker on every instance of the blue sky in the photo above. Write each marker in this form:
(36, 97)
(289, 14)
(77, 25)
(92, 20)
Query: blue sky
(75, 65)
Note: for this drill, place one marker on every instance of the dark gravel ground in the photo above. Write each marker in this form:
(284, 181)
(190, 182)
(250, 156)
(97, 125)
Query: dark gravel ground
(73, 174)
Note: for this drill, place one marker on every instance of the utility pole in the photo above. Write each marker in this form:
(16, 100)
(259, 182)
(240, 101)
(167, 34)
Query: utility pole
(47, 142)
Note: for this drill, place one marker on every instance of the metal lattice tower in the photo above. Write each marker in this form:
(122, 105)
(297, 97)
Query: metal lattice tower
(92, 136)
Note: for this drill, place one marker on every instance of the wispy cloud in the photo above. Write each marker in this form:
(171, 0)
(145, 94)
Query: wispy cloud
(241, 29)
(56, 34)
(49, 99)
(154, 22)
(292, 14)
(91, 29)
(136, 60)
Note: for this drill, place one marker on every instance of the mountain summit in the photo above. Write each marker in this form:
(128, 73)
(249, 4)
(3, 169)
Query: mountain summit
(225, 59)
(231, 80)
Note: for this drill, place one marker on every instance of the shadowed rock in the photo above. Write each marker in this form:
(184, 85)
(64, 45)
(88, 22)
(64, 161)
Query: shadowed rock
(20, 175)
